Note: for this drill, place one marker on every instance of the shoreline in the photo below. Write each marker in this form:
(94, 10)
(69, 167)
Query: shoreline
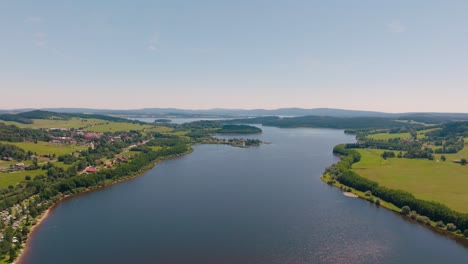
(45, 214)
(42, 217)
(459, 239)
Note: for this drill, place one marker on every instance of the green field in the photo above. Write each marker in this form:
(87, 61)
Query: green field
(387, 136)
(48, 123)
(116, 127)
(444, 182)
(13, 178)
(46, 148)
(92, 125)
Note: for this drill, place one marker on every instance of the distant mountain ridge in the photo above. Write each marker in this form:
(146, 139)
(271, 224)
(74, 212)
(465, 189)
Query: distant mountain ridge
(427, 117)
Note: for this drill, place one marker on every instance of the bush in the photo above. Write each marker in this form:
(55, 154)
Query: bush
(465, 233)
(405, 210)
(368, 193)
(423, 219)
(451, 227)
(377, 201)
(27, 177)
(413, 214)
(349, 190)
(388, 154)
(441, 224)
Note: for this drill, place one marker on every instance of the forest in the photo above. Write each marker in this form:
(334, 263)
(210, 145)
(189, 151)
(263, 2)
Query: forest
(325, 122)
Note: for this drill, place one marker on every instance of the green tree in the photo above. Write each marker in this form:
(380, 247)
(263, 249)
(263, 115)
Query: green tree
(443, 158)
(12, 253)
(451, 227)
(405, 210)
(440, 224)
(465, 233)
(463, 161)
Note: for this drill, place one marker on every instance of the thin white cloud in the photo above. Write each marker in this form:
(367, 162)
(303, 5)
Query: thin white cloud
(40, 39)
(153, 43)
(395, 26)
(33, 19)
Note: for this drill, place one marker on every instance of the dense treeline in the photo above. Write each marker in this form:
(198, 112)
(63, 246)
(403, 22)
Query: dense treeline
(434, 118)
(165, 142)
(13, 133)
(449, 137)
(200, 125)
(26, 117)
(451, 129)
(204, 128)
(12, 151)
(342, 172)
(238, 129)
(326, 122)
(391, 144)
(15, 118)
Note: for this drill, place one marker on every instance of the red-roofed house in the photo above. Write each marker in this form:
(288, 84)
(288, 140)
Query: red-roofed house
(90, 170)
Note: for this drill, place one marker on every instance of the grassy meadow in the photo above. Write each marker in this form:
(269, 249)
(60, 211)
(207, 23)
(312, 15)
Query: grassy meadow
(46, 148)
(13, 178)
(51, 123)
(435, 180)
(387, 136)
(117, 127)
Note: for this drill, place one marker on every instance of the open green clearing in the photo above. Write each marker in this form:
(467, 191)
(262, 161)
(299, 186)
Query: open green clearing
(439, 181)
(51, 123)
(13, 178)
(116, 127)
(387, 136)
(47, 148)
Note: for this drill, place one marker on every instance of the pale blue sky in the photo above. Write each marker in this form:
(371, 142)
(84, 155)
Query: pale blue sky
(390, 56)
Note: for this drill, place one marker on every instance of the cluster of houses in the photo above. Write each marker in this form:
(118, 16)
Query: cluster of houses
(88, 136)
(7, 217)
(108, 164)
(17, 166)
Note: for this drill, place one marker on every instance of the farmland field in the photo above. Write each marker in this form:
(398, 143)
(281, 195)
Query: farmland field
(116, 127)
(47, 148)
(13, 178)
(439, 181)
(49, 123)
(387, 136)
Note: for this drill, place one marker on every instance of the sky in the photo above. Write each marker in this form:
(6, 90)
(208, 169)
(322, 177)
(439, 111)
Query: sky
(392, 56)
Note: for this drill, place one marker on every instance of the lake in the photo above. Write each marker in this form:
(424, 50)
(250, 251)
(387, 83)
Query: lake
(222, 204)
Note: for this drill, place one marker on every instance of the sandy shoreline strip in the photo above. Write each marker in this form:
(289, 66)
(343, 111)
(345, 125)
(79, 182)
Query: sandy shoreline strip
(350, 194)
(31, 231)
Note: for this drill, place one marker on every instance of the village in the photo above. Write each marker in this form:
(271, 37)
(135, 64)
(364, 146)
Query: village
(61, 137)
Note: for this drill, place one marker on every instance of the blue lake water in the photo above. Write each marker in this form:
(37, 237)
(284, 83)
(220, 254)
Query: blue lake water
(222, 204)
